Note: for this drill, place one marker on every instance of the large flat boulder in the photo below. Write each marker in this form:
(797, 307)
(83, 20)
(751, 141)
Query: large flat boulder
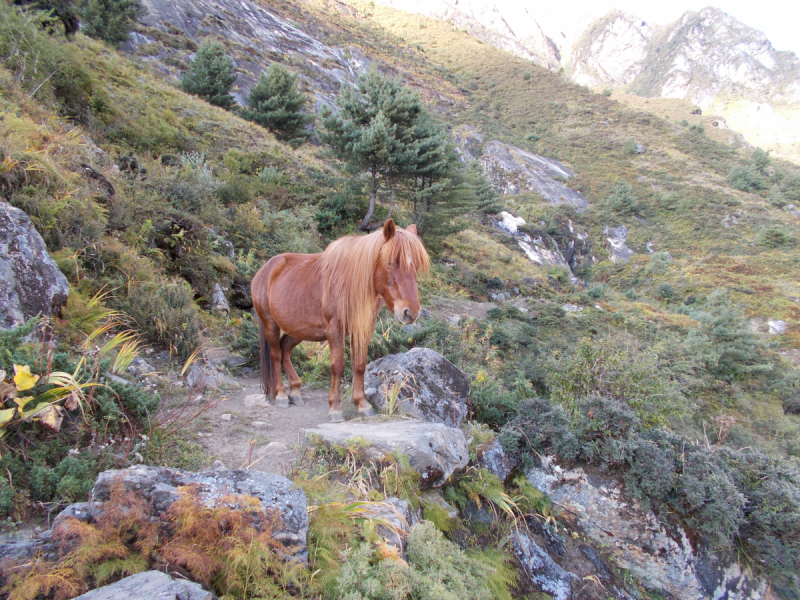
(160, 486)
(32, 284)
(149, 585)
(433, 449)
(425, 385)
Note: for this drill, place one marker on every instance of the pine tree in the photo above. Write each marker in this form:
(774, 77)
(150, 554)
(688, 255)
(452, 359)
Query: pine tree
(275, 103)
(211, 75)
(373, 131)
(724, 342)
(110, 20)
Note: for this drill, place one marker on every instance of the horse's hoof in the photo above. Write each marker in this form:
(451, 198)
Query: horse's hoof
(336, 416)
(369, 412)
(296, 399)
(282, 401)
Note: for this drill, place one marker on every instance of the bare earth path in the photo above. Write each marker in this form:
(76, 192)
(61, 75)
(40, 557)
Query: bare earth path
(258, 433)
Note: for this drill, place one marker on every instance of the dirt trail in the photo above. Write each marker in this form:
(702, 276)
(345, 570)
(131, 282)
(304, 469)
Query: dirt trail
(257, 432)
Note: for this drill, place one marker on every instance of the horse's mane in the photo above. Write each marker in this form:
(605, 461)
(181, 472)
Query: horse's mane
(348, 265)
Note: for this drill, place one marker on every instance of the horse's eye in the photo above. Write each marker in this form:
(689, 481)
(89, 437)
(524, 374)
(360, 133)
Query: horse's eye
(390, 265)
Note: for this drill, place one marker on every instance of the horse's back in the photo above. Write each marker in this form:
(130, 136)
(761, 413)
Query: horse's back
(288, 289)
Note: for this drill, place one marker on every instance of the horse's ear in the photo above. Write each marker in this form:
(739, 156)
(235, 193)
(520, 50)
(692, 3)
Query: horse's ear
(412, 229)
(388, 230)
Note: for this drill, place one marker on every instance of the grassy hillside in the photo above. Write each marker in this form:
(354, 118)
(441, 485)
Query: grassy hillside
(186, 195)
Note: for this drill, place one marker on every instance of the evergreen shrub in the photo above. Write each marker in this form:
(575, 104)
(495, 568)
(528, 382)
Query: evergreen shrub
(211, 75)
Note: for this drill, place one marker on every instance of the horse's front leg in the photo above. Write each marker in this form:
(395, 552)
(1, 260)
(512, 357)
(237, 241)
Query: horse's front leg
(359, 397)
(336, 344)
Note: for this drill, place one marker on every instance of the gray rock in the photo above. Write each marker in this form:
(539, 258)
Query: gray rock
(433, 497)
(494, 459)
(219, 303)
(428, 386)
(640, 149)
(433, 449)
(776, 326)
(32, 284)
(513, 170)
(398, 513)
(150, 585)
(200, 377)
(663, 559)
(140, 367)
(223, 358)
(255, 400)
(615, 242)
(540, 570)
(87, 512)
(111, 378)
(20, 550)
(159, 485)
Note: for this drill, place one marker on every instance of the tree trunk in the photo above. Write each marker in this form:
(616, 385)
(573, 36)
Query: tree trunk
(391, 206)
(373, 193)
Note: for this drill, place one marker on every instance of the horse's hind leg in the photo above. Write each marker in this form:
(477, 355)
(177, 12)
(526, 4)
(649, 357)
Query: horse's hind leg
(272, 333)
(288, 344)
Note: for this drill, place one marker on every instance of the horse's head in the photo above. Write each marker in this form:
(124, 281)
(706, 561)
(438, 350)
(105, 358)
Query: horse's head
(395, 277)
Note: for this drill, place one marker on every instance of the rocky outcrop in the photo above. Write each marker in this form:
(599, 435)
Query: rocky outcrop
(513, 170)
(433, 449)
(539, 570)
(615, 242)
(543, 249)
(612, 52)
(422, 383)
(661, 557)
(219, 303)
(160, 487)
(31, 282)
(148, 586)
(494, 459)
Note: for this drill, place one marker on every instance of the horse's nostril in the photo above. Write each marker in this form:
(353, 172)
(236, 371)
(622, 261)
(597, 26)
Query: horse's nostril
(406, 314)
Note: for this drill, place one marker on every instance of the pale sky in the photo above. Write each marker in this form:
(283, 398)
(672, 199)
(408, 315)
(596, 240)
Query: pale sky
(778, 20)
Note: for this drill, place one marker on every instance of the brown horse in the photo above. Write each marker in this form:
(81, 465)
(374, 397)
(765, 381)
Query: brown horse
(328, 296)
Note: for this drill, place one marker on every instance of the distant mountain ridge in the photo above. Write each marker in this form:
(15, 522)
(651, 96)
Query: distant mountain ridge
(707, 57)
(701, 57)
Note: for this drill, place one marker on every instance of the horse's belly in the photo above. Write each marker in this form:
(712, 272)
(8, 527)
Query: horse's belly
(295, 303)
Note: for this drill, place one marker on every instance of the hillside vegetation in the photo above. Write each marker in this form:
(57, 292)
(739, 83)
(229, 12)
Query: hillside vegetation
(659, 370)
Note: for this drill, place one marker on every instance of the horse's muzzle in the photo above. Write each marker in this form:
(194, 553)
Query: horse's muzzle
(405, 316)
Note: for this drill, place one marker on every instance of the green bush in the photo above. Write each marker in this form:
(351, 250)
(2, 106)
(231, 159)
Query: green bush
(775, 237)
(275, 103)
(746, 178)
(621, 200)
(110, 20)
(659, 263)
(723, 342)
(614, 367)
(211, 75)
(437, 570)
(165, 314)
(629, 147)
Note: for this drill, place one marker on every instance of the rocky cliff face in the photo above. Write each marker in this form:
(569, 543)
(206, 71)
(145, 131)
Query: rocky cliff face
(701, 57)
(172, 29)
(511, 27)
(612, 51)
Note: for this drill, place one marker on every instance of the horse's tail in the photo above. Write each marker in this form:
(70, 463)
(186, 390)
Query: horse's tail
(267, 371)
